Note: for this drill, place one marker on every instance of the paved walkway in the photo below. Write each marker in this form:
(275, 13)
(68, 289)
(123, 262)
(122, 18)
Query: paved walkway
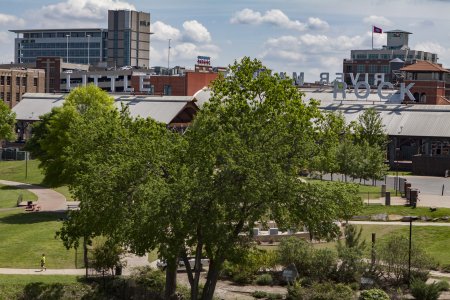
(396, 223)
(48, 199)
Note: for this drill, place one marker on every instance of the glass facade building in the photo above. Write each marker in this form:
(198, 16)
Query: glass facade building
(80, 46)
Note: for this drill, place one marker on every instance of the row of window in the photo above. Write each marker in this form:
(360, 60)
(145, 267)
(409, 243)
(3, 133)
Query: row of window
(7, 97)
(372, 56)
(59, 45)
(372, 69)
(62, 53)
(19, 80)
(60, 34)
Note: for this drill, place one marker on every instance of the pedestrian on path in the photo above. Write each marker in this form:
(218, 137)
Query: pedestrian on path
(43, 267)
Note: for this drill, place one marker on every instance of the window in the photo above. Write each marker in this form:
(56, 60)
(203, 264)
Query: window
(373, 56)
(373, 68)
(2, 80)
(8, 80)
(8, 96)
(17, 97)
(361, 56)
(35, 81)
(385, 56)
(361, 69)
(18, 80)
(385, 69)
(24, 81)
(167, 90)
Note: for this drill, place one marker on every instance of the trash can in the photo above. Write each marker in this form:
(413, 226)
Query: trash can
(118, 270)
(407, 186)
(387, 199)
(414, 196)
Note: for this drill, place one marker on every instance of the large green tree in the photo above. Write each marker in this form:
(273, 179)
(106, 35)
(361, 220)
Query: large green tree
(7, 121)
(52, 139)
(246, 148)
(147, 187)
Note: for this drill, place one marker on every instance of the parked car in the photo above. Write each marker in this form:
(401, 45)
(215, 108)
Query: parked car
(162, 263)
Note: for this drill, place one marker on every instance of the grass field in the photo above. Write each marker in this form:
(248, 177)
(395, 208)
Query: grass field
(16, 171)
(25, 236)
(42, 287)
(435, 240)
(10, 194)
(404, 211)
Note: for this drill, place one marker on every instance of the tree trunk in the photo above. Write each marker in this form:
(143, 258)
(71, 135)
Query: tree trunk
(85, 256)
(211, 280)
(171, 279)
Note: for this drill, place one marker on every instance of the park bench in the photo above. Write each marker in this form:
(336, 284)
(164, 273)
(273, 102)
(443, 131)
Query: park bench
(32, 207)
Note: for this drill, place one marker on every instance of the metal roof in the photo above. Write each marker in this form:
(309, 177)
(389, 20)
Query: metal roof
(397, 31)
(403, 120)
(160, 108)
(56, 29)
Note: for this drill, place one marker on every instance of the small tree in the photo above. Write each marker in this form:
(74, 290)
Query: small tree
(106, 256)
(7, 121)
(392, 260)
(351, 255)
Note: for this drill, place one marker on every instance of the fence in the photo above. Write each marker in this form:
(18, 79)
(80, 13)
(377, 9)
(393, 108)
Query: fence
(13, 154)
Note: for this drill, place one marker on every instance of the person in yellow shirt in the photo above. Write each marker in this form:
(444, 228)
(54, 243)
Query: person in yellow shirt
(43, 267)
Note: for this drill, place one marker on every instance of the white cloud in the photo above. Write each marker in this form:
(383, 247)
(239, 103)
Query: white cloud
(277, 18)
(377, 20)
(163, 32)
(195, 31)
(246, 16)
(78, 13)
(11, 21)
(317, 24)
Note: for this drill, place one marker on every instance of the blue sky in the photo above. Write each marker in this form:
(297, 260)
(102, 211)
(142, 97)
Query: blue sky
(300, 35)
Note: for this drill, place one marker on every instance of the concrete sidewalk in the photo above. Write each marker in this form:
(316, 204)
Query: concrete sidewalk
(48, 199)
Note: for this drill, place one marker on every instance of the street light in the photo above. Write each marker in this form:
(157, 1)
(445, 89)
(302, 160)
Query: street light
(67, 47)
(88, 37)
(410, 219)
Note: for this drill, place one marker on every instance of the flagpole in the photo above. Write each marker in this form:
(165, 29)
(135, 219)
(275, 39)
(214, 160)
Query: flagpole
(372, 37)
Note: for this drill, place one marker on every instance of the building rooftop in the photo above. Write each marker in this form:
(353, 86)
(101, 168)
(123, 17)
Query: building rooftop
(55, 29)
(398, 31)
(424, 66)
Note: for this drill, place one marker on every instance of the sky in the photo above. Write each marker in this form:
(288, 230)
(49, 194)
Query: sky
(310, 36)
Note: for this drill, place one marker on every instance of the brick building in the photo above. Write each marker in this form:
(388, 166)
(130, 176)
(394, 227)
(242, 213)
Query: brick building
(16, 82)
(431, 83)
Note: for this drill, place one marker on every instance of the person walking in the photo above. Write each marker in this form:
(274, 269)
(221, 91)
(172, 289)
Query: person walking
(43, 267)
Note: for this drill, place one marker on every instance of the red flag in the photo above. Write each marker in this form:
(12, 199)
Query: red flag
(377, 30)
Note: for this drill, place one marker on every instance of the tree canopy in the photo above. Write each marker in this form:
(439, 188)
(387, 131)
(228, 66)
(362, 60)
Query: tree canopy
(7, 121)
(199, 192)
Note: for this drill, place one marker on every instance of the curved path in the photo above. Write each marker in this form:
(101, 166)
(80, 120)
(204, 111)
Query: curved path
(48, 199)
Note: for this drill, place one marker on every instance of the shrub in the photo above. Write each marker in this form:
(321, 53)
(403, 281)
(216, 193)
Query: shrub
(296, 251)
(153, 279)
(422, 291)
(323, 264)
(393, 260)
(259, 294)
(264, 279)
(321, 291)
(244, 269)
(373, 294)
(443, 285)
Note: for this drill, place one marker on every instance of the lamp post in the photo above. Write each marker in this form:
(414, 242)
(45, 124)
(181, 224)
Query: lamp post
(411, 219)
(88, 37)
(67, 48)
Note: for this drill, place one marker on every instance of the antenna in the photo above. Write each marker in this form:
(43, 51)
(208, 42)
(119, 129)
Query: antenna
(168, 59)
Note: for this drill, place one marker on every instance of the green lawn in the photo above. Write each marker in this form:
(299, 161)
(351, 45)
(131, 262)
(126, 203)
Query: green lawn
(16, 171)
(435, 240)
(25, 236)
(42, 287)
(404, 211)
(10, 194)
